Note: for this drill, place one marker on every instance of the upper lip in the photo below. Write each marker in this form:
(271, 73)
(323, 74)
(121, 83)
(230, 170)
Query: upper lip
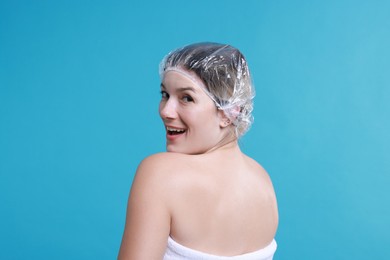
(174, 128)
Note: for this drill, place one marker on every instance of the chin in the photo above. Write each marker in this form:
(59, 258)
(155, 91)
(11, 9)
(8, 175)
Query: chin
(173, 149)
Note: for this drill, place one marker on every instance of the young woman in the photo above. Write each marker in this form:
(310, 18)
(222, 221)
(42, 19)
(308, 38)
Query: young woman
(204, 198)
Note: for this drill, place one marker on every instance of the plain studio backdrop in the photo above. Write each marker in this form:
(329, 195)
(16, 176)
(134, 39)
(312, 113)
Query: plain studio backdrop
(79, 93)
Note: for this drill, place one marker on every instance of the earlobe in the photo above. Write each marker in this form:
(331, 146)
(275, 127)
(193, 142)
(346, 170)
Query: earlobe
(228, 120)
(224, 121)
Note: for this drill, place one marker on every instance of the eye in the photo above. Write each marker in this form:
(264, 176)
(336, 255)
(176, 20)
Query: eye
(187, 98)
(164, 94)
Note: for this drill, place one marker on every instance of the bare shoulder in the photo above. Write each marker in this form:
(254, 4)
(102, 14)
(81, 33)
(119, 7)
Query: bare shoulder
(258, 168)
(161, 169)
(163, 158)
(162, 163)
(267, 194)
(160, 177)
(148, 211)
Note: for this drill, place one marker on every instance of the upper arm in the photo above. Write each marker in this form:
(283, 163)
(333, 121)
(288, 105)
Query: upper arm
(148, 219)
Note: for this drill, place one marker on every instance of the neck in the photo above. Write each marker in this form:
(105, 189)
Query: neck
(230, 142)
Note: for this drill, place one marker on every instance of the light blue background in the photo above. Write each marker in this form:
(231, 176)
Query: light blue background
(79, 92)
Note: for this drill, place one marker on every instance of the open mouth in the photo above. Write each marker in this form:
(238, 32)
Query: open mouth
(175, 131)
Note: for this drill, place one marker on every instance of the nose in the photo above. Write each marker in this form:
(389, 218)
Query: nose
(168, 109)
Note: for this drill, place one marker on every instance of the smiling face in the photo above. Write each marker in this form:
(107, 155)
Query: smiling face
(193, 123)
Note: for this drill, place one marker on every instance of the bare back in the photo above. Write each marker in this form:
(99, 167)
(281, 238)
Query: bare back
(222, 203)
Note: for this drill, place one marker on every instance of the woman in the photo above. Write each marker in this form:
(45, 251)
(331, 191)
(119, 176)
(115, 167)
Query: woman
(204, 198)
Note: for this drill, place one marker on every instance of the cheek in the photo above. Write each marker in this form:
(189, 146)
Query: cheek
(207, 120)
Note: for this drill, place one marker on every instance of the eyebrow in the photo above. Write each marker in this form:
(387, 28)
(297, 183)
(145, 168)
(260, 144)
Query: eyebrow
(181, 89)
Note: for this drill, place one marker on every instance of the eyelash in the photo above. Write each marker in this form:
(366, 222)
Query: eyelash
(185, 98)
(188, 98)
(164, 94)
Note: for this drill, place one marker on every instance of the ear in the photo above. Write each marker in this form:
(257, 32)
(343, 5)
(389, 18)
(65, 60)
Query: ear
(224, 121)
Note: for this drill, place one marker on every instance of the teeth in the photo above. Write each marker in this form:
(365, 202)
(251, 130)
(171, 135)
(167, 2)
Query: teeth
(175, 130)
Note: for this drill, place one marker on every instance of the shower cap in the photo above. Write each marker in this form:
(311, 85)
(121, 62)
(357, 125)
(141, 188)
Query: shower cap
(225, 75)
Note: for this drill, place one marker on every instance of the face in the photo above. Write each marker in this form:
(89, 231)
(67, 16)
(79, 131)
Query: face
(192, 121)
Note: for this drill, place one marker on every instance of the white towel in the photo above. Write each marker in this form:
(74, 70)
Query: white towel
(175, 251)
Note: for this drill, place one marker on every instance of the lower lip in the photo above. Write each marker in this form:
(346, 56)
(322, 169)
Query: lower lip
(173, 137)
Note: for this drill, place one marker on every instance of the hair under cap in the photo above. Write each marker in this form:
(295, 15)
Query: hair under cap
(225, 74)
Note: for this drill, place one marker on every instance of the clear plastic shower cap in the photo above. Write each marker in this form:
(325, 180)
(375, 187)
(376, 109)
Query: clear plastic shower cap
(225, 74)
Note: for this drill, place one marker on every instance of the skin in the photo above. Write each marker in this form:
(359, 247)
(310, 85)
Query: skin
(184, 105)
(204, 192)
